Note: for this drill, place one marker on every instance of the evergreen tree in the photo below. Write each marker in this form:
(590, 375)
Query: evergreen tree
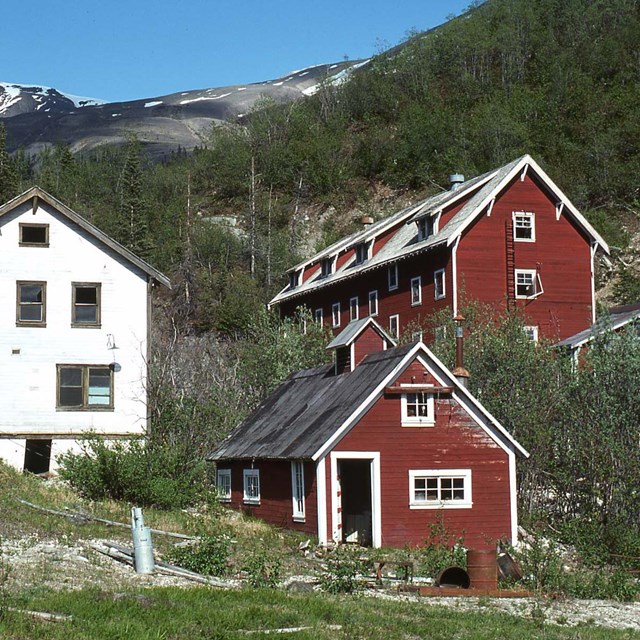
(8, 178)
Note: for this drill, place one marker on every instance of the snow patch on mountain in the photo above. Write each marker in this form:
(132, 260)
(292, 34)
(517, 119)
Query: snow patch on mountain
(35, 97)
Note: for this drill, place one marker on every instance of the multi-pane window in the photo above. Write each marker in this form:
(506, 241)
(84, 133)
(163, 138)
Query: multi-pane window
(84, 387)
(34, 235)
(394, 326)
(362, 252)
(524, 229)
(426, 227)
(297, 489)
(438, 284)
(85, 310)
(326, 267)
(294, 279)
(373, 303)
(31, 303)
(317, 316)
(251, 485)
(440, 334)
(335, 314)
(417, 409)
(416, 291)
(353, 308)
(223, 484)
(531, 332)
(447, 488)
(526, 282)
(392, 277)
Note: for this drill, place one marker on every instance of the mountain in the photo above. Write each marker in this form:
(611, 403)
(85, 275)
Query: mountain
(36, 117)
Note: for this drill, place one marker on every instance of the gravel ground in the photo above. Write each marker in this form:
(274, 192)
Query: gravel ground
(60, 564)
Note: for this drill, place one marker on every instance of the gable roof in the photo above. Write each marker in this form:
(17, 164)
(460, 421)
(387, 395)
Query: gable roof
(312, 410)
(103, 238)
(617, 318)
(479, 192)
(354, 329)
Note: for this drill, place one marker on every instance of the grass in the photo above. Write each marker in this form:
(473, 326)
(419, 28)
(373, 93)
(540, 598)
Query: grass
(172, 613)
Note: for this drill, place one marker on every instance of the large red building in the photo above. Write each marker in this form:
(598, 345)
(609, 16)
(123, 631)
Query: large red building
(374, 449)
(509, 238)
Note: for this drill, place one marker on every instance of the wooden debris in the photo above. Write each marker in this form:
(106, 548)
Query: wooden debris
(333, 627)
(85, 517)
(41, 615)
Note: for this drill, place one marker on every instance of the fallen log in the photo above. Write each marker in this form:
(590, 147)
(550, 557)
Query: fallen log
(41, 615)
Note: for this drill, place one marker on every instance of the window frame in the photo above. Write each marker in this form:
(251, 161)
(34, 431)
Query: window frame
(223, 481)
(318, 315)
(394, 319)
(426, 227)
(327, 266)
(534, 283)
(440, 334)
(354, 309)
(439, 290)
(422, 398)
(33, 225)
(246, 475)
(335, 315)
(86, 285)
(524, 215)
(85, 381)
(439, 475)
(416, 291)
(392, 269)
(297, 491)
(531, 332)
(362, 252)
(42, 322)
(373, 303)
(294, 279)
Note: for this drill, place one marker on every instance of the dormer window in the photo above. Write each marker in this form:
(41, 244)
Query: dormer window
(426, 227)
(362, 252)
(294, 279)
(326, 267)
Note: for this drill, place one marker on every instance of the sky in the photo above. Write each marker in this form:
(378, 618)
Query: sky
(131, 49)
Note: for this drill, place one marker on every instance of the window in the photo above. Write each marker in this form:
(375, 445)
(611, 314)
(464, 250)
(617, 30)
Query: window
(416, 291)
(326, 267)
(417, 409)
(84, 387)
(524, 229)
(34, 235)
(223, 484)
(440, 489)
(426, 227)
(392, 276)
(353, 308)
(297, 490)
(438, 284)
(317, 316)
(526, 283)
(335, 314)
(362, 252)
(440, 334)
(86, 304)
(31, 304)
(373, 303)
(294, 279)
(394, 326)
(251, 485)
(531, 332)
(416, 336)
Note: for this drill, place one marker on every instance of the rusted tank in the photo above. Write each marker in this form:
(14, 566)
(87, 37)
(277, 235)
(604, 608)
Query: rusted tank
(482, 569)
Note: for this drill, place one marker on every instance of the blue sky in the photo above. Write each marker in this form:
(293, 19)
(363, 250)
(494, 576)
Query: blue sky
(130, 49)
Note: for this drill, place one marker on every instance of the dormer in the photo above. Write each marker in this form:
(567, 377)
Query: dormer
(363, 251)
(356, 341)
(327, 266)
(294, 278)
(427, 227)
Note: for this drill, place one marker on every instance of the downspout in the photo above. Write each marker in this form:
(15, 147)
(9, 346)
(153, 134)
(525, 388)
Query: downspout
(454, 276)
(594, 249)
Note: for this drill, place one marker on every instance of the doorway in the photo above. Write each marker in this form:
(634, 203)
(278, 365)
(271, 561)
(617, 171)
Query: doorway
(356, 506)
(37, 456)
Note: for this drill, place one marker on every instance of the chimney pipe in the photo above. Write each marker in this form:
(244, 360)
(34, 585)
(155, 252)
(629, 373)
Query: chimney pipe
(455, 180)
(367, 221)
(461, 374)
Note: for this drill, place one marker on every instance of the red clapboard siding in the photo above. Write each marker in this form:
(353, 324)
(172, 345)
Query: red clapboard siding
(369, 341)
(276, 506)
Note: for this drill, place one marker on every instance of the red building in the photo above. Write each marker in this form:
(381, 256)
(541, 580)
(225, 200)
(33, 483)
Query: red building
(509, 238)
(374, 448)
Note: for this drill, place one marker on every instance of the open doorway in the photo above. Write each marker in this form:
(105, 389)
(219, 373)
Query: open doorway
(37, 456)
(356, 504)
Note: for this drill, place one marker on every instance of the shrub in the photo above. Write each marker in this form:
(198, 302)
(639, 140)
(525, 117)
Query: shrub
(210, 556)
(158, 476)
(343, 570)
(442, 549)
(263, 568)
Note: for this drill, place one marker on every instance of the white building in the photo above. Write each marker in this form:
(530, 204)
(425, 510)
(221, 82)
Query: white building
(74, 332)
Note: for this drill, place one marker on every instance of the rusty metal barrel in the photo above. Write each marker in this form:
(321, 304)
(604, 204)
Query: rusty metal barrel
(482, 569)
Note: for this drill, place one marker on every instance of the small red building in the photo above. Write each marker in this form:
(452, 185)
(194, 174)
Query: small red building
(509, 238)
(374, 448)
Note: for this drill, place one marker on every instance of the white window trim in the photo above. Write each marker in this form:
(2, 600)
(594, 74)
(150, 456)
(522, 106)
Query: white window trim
(422, 222)
(354, 310)
(392, 269)
(531, 216)
(417, 336)
(297, 498)
(331, 262)
(335, 314)
(467, 503)
(317, 316)
(439, 273)
(373, 303)
(418, 301)
(246, 474)
(394, 318)
(417, 421)
(535, 279)
(365, 252)
(440, 334)
(223, 473)
(531, 331)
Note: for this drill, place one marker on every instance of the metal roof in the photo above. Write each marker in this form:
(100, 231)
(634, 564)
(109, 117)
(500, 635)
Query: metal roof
(354, 329)
(37, 192)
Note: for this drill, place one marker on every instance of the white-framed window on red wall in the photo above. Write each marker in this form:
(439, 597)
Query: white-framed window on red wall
(373, 303)
(251, 478)
(416, 291)
(317, 316)
(440, 489)
(394, 326)
(524, 226)
(439, 291)
(335, 314)
(297, 490)
(354, 307)
(392, 277)
(223, 484)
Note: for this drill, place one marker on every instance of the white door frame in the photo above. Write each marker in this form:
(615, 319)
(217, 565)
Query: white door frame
(336, 498)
